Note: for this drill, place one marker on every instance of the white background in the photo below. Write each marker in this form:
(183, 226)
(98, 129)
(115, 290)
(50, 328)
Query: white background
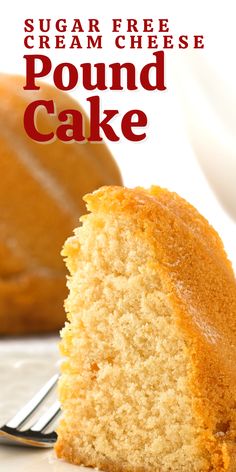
(178, 153)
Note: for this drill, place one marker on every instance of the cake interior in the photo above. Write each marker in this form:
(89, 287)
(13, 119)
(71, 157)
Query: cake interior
(126, 378)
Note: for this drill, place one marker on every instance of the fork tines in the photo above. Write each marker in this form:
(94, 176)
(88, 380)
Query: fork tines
(35, 435)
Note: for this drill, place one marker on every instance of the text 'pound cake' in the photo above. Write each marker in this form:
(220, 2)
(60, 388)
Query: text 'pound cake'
(149, 378)
(41, 191)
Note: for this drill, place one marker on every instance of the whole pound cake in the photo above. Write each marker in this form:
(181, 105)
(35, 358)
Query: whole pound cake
(149, 377)
(41, 191)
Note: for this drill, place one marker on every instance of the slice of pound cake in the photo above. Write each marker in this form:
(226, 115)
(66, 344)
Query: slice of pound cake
(149, 377)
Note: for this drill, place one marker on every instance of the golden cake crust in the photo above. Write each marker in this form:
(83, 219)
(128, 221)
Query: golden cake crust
(201, 286)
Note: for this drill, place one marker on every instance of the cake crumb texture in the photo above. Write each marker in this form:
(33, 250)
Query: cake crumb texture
(149, 377)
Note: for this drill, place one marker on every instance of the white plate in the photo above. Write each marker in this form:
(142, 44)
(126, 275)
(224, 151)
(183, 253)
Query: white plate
(25, 365)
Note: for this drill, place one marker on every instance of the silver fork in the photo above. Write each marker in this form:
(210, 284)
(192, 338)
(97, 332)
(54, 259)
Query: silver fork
(12, 433)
